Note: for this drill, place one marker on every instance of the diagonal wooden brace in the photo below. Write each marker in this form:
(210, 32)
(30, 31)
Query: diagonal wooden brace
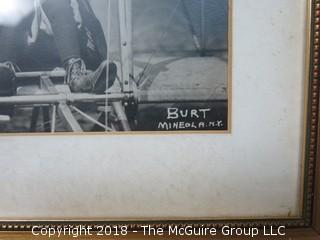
(66, 115)
(63, 109)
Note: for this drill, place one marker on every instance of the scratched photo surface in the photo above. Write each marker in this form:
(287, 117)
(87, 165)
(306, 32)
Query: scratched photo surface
(167, 62)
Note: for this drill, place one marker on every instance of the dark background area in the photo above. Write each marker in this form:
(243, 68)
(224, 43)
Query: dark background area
(153, 18)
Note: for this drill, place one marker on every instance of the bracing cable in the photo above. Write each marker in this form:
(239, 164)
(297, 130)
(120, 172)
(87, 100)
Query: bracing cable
(163, 35)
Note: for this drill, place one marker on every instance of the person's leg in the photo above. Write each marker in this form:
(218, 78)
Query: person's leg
(9, 43)
(72, 41)
(92, 34)
(64, 27)
(78, 48)
(93, 41)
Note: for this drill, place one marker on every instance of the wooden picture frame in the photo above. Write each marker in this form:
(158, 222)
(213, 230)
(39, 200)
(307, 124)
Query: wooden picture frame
(305, 227)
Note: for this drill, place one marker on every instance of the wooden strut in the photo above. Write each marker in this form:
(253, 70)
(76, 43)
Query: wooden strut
(124, 7)
(66, 115)
(48, 86)
(50, 74)
(91, 118)
(54, 118)
(4, 118)
(62, 108)
(145, 97)
(57, 98)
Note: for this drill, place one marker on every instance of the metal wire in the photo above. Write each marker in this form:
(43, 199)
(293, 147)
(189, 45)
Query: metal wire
(91, 118)
(108, 62)
(162, 37)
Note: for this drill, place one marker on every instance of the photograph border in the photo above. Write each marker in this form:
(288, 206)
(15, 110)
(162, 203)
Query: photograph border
(310, 214)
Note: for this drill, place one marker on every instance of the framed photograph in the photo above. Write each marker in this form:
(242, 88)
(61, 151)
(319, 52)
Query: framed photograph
(172, 115)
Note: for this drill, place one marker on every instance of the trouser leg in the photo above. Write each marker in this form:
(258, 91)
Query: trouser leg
(10, 43)
(64, 27)
(87, 43)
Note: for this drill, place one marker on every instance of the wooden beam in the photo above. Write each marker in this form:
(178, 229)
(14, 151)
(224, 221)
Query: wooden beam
(54, 74)
(66, 115)
(4, 118)
(181, 95)
(51, 74)
(124, 46)
(56, 98)
(54, 119)
(150, 96)
(129, 19)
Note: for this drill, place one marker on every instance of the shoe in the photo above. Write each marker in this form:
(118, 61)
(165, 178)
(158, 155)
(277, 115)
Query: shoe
(81, 80)
(75, 75)
(7, 85)
(100, 77)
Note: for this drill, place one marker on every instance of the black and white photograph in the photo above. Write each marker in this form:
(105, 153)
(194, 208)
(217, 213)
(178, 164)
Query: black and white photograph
(114, 66)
